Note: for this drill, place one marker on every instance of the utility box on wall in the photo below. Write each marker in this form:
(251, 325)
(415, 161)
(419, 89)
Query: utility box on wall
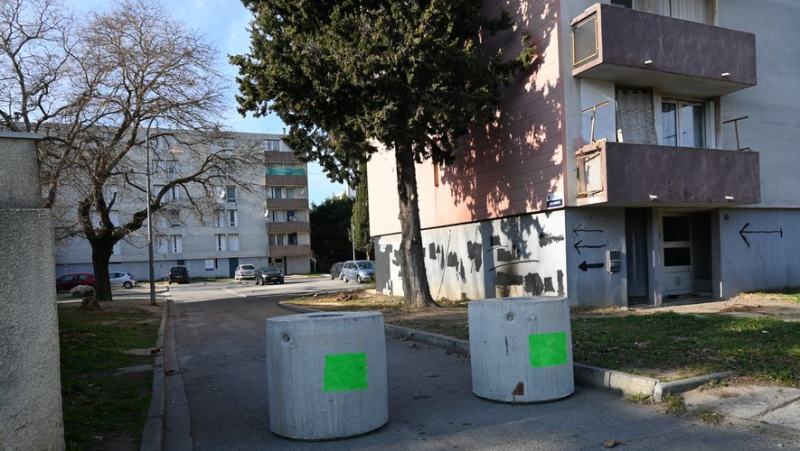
(614, 261)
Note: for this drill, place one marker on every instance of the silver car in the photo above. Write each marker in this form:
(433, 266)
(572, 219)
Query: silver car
(121, 279)
(245, 271)
(358, 270)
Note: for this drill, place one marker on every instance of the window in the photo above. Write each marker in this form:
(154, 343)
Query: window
(622, 3)
(220, 223)
(224, 146)
(219, 242)
(682, 123)
(278, 216)
(176, 244)
(174, 218)
(276, 239)
(174, 193)
(233, 217)
(231, 193)
(274, 192)
(163, 244)
(172, 169)
(272, 145)
(157, 189)
(293, 239)
(290, 216)
(695, 10)
(233, 242)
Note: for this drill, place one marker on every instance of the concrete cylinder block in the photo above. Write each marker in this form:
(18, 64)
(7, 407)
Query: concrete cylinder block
(521, 349)
(326, 374)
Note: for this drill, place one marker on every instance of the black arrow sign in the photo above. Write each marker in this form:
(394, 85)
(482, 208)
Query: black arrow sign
(578, 246)
(579, 229)
(743, 232)
(586, 266)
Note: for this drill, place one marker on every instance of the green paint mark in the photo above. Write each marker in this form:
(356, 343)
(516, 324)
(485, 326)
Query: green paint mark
(345, 372)
(548, 349)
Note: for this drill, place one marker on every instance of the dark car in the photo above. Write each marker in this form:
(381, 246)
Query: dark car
(72, 280)
(267, 274)
(336, 270)
(178, 274)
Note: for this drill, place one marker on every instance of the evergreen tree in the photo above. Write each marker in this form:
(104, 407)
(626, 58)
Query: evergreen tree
(351, 77)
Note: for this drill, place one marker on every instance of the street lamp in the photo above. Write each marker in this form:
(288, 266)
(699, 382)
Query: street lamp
(150, 224)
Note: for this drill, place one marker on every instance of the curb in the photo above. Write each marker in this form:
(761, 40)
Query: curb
(154, 425)
(615, 382)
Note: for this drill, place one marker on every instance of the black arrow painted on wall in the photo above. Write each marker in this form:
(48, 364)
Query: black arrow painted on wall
(578, 246)
(579, 229)
(586, 266)
(745, 231)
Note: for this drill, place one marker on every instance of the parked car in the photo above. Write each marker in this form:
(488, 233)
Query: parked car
(245, 271)
(336, 270)
(269, 273)
(178, 274)
(72, 280)
(358, 270)
(121, 279)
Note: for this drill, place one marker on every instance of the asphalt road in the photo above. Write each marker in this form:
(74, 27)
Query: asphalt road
(220, 333)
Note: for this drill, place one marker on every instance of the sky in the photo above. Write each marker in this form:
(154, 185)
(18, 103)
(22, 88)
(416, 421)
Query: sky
(223, 24)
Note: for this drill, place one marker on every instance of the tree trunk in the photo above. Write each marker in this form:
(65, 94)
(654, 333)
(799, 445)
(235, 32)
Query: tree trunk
(412, 255)
(101, 255)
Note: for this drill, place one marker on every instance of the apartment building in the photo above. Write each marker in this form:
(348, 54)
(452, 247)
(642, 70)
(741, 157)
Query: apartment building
(236, 223)
(650, 155)
(287, 211)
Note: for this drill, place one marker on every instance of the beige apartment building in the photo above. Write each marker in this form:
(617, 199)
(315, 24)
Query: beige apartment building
(650, 155)
(263, 219)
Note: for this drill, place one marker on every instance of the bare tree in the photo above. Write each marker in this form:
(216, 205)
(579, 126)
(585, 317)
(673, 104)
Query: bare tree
(133, 77)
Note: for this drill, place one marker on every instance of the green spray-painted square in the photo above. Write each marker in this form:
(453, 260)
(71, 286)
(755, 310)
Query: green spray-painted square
(345, 372)
(548, 349)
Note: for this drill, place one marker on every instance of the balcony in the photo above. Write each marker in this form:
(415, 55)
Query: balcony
(288, 227)
(298, 250)
(287, 204)
(285, 180)
(637, 49)
(279, 157)
(617, 174)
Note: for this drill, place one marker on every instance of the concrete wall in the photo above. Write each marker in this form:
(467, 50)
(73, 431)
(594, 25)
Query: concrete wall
(590, 234)
(758, 250)
(30, 397)
(516, 256)
(773, 126)
(507, 168)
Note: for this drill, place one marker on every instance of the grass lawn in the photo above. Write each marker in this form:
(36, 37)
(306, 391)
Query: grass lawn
(689, 345)
(664, 345)
(103, 410)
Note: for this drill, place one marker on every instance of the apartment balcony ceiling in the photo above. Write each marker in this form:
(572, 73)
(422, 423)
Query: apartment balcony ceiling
(643, 175)
(638, 49)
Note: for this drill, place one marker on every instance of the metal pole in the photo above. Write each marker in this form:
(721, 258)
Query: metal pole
(353, 238)
(150, 225)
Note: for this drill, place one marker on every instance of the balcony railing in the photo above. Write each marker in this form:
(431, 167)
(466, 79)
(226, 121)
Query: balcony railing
(638, 49)
(648, 175)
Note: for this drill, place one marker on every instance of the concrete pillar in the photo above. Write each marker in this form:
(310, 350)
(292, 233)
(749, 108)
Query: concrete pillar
(326, 374)
(30, 397)
(521, 349)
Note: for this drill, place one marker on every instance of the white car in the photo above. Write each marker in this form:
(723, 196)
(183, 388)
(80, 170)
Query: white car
(121, 279)
(245, 271)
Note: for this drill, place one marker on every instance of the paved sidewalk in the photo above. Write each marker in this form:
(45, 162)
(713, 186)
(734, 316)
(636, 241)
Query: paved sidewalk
(220, 351)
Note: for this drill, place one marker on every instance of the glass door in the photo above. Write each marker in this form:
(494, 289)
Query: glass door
(676, 243)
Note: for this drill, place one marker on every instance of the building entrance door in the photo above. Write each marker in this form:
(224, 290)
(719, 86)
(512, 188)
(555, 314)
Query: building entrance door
(676, 244)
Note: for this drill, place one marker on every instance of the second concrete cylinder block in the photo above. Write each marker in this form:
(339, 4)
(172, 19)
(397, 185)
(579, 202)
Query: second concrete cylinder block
(326, 374)
(521, 349)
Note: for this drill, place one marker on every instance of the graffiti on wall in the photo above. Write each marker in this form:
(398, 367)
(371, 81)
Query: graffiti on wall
(744, 231)
(588, 234)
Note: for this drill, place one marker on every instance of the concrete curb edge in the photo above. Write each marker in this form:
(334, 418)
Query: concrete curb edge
(615, 382)
(154, 425)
